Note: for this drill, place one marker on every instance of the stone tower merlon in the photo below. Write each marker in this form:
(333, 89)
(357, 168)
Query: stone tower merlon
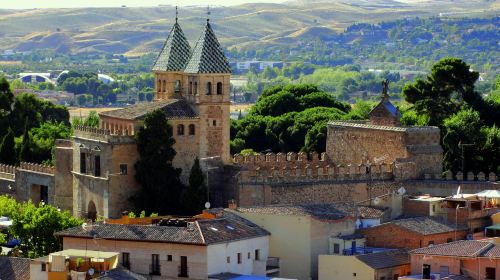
(359, 143)
(385, 113)
(169, 65)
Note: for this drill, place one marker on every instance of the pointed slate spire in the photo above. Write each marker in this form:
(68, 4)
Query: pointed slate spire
(175, 52)
(208, 57)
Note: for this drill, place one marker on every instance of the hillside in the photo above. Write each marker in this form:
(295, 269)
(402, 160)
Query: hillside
(141, 30)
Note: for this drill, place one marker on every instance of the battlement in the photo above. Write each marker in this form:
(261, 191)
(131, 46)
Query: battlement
(9, 169)
(311, 172)
(36, 167)
(279, 158)
(470, 176)
(101, 134)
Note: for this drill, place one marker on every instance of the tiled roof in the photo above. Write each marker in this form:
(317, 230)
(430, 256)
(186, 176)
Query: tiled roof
(173, 108)
(208, 56)
(367, 212)
(462, 248)
(14, 268)
(333, 211)
(175, 52)
(201, 232)
(424, 225)
(385, 259)
(381, 127)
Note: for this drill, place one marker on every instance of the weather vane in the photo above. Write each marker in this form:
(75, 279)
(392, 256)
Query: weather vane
(176, 14)
(208, 13)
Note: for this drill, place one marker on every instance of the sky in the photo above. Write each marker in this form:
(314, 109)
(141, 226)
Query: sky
(30, 4)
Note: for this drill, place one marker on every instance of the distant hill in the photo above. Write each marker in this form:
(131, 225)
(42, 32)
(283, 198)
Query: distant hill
(135, 31)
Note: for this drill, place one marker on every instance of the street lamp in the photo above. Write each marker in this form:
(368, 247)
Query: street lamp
(207, 159)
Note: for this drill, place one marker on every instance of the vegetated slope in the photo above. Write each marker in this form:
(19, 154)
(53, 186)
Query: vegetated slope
(142, 30)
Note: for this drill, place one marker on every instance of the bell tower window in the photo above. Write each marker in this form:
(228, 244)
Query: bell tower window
(191, 129)
(219, 88)
(195, 88)
(190, 87)
(180, 129)
(164, 86)
(209, 88)
(177, 86)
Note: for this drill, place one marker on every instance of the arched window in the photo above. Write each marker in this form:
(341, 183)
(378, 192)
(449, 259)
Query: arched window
(191, 129)
(164, 86)
(219, 88)
(159, 85)
(180, 129)
(195, 88)
(190, 87)
(214, 122)
(177, 86)
(209, 88)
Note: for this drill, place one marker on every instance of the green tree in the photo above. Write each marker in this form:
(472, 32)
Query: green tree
(43, 139)
(6, 101)
(195, 195)
(35, 227)
(7, 154)
(92, 120)
(449, 86)
(161, 186)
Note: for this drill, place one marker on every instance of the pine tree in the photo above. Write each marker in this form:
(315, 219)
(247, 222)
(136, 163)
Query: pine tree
(7, 154)
(194, 197)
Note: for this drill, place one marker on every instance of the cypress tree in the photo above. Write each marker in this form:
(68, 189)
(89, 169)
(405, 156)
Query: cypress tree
(25, 153)
(194, 197)
(7, 154)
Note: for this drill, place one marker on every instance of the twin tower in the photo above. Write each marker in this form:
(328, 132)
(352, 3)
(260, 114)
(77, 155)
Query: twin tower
(198, 77)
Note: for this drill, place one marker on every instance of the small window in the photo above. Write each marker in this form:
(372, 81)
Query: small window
(219, 88)
(190, 87)
(164, 86)
(491, 273)
(159, 85)
(123, 169)
(195, 88)
(44, 267)
(177, 86)
(191, 129)
(249, 255)
(228, 259)
(126, 260)
(449, 240)
(431, 242)
(209, 88)
(83, 163)
(214, 123)
(239, 257)
(336, 248)
(180, 129)
(354, 274)
(97, 166)
(433, 208)
(257, 255)
(169, 258)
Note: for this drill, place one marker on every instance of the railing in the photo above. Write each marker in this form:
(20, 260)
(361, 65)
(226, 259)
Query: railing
(154, 269)
(183, 271)
(362, 251)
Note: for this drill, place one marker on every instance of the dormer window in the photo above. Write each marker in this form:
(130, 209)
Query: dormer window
(209, 88)
(219, 88)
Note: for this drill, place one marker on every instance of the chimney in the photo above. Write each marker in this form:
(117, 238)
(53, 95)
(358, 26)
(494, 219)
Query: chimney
(231, 204)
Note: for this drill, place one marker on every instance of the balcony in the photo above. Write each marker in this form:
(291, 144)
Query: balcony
(154, 269)
(272, 265)
(183, 271)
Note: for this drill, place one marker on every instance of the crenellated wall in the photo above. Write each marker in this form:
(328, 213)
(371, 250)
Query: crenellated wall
(106, 135)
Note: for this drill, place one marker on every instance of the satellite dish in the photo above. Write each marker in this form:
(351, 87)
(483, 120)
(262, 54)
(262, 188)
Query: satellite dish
(91, 271)
(207, 205)
(401, 191)
(376, 200)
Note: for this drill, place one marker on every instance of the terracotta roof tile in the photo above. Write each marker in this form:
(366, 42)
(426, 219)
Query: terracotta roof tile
(14, 268)
(424, 225)
(462, 248)
(385, 259)
(173, 108)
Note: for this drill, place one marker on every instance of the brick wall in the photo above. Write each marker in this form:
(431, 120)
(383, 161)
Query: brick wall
(391, 236)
